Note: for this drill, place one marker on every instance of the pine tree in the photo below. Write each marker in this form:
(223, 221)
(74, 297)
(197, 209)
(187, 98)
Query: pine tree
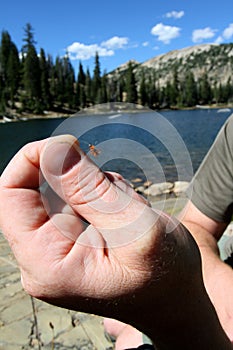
(131, 87)
(44, 79)
(80, 88)
(88, 88)
(103, 90)
(81, 75)
(32, 80)
(96, 82)
(13, 73)
(114, 89)
(2, 97)
(152, 93)
(9, 69)
(215, 92)
(59, 85)
(220, 93)
(69, 82)
(190, 90)
(174, 89)
(120, 90)
(28, 39)
(205, 93)
(5, 53)
(228, 91)
(142, 91)
(31, 74)
(52, 86)
(168, 95)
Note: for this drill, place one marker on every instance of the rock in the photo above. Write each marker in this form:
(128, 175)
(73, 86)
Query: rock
(136, 180)
(180, 187)
(140, 189)
(147, 183)
(159, 189)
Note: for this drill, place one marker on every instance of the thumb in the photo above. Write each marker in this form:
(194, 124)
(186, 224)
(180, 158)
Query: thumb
(83, 186)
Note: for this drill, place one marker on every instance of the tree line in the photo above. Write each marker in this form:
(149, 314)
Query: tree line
(33, 82)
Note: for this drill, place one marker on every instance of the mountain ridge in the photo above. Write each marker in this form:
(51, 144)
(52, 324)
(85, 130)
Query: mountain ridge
(178, 53)
(214, 59)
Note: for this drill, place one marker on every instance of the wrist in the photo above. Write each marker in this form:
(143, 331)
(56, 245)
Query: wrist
(187, 325)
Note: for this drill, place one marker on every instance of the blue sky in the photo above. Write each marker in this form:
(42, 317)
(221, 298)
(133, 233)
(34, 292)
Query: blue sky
(118, 30)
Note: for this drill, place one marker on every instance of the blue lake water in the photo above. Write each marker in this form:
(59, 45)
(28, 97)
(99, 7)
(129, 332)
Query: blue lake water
(167, 146)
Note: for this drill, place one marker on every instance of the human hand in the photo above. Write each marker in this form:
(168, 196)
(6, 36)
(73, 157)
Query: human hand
(125, 264)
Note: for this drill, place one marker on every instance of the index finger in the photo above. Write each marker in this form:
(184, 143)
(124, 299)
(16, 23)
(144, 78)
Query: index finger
(19, 195)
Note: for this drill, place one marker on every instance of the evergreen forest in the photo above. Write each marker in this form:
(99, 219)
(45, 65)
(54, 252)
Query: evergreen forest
(33, 82)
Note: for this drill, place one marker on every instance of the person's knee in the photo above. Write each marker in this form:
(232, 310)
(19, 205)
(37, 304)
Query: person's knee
(113, 327)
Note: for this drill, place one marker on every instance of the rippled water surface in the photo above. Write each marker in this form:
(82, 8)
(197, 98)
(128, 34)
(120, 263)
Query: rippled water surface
(157, 147)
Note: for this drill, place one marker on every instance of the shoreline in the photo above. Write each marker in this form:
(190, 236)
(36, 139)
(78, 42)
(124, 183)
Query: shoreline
(95, 110)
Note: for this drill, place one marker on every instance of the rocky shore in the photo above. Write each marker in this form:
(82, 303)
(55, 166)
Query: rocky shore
(106, 108)
(154, 190)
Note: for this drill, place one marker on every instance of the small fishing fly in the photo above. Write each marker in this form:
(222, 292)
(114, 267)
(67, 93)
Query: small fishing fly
(94, 151)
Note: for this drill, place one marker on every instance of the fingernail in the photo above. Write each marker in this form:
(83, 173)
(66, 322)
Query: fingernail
(60, 157)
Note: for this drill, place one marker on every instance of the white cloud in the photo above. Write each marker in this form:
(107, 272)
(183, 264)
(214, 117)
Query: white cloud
(199, 35)
(80, 51)
(146, 43)
(115, 43)
(165, 33)
(228, 32)
(174, 14)
(219, 40)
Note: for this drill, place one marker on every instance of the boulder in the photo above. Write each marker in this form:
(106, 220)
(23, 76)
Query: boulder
(140, 189)
(180, 187)
(159, 189)
(136, 180)
(147, 183)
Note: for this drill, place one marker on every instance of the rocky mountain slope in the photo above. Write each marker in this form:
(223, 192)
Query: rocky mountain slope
(214, 59)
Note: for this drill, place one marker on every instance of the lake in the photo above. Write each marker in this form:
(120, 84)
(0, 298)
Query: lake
(165, 146)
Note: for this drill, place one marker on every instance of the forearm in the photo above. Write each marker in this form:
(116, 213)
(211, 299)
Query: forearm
(218, 276)
(206, 233)
(201, 330)
(207, 245)
(203, 238)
